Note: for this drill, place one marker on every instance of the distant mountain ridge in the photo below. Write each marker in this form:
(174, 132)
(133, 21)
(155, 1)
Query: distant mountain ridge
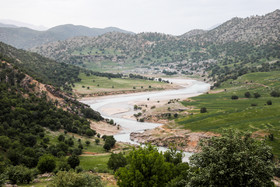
(26, 38)
(254, 29)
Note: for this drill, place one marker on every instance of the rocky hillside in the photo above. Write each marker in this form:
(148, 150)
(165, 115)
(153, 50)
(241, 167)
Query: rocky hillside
(255, 29)
(26, 38)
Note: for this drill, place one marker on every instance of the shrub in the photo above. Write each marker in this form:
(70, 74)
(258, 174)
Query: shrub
(61, 138)
(203, 110)
(257, 95)
(269, 102)
(97, 141)
(71, 178)
(234, 97)
(20, 174)
(46, 163)
(275, 94)
(247, 94)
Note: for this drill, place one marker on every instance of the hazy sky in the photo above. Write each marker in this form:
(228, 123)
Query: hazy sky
(166, 16)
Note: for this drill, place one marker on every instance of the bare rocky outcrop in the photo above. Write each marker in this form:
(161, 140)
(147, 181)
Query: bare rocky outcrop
(184, 140)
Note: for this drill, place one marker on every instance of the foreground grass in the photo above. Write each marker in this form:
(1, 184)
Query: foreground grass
(244, 113)
(94, 84)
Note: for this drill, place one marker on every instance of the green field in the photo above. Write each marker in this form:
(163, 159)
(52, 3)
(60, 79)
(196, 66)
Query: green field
(96, 163)
(95, 84)
(244, 113)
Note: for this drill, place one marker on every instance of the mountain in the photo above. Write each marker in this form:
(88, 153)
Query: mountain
(234, 48)
(26, 38)
(255, 29)
(7, 25)
(22, 24)
(193, 33)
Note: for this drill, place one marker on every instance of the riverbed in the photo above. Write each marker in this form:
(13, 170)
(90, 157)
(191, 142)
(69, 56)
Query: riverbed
(120, 108)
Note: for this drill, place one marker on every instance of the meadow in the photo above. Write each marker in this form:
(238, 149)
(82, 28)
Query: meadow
(95, 84)
(251, 114)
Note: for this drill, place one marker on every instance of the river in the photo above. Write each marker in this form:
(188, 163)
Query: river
(119, 107)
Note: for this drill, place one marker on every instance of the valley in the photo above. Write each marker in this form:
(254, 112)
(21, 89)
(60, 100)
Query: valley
(83, 106)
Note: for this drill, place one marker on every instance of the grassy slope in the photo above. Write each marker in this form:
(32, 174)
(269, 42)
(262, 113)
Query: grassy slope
(105, 84)
(223, 112)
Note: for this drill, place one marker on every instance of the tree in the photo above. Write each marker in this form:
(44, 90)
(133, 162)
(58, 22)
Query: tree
(116, 161)
(247, 95)
(234, 97)
(146, 167)
(233, 159)
(73, 161)
(46, 163)
(61, 138)
(257, 95)
(275, 94)
(109, 142)
(203, 110)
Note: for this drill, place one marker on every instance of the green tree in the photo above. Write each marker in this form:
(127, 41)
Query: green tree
(257, 95)
(146, 167)
(73, 161)
(46, 163)
(247, 94)
(61, 138)
(116, 161)
(203, 110)
(109, 142)
(233, 159)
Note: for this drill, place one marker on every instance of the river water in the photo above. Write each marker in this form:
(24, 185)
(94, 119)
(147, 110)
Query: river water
(123, 106)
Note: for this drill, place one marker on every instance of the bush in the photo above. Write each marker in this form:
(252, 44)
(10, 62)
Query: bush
(97, 141)
(269, 102)
(90, 132)
(73, 161)
(46, 163)
(61, 138)
(275, 94)
(257, 95)
(71, 178)
(203, 110)
(247, 94)
(234, 97)
(20, 174)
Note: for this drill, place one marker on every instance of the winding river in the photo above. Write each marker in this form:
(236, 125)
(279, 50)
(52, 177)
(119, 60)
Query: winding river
(119, 107)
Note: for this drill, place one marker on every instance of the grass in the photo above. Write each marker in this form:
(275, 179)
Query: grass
(95, 84)
(223, 112)
(92, 147)
(97, 163)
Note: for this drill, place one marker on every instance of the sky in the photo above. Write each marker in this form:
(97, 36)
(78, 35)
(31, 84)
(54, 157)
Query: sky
(164, 16)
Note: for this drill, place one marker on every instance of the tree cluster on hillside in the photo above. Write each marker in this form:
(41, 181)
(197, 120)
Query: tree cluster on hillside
(24, 118)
